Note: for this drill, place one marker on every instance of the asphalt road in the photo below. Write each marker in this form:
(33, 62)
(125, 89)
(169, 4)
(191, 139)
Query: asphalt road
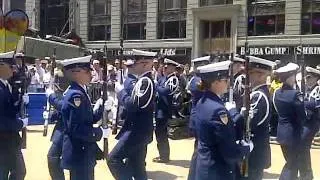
(181, 150)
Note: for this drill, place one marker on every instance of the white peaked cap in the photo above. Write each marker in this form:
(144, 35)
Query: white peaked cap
(287, 68)
(78, 60)
(261, 63)
(7, 55)
(169, 61)
(96, 62)
(204, 58)
(312, 70)
(129, 62)
(110, 67)
(237, 59)
(136, 52)
(219, 66)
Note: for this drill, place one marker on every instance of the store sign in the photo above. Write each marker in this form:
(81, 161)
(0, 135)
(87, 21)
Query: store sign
(164, 52)
(168, 52)
(260, 51)
(308, 50)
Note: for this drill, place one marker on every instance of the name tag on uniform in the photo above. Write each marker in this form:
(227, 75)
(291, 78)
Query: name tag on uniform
(224, 118)
(77, 101)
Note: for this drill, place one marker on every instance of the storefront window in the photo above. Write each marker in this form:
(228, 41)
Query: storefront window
(99, 20)
(310, 17)
(134, 12)
(214, 2)
(172, 19)
(266, 18)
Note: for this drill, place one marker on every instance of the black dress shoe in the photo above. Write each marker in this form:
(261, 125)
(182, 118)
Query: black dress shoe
(160, 160)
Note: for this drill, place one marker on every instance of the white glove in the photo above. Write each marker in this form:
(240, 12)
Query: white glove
(25, 122)
(45, 115)
(49, 91)
(108, 104)
(250, 144)
(242, 111)
(230, 105)
(118, 87)
(105, 132)
(98, 104)
(25, 99)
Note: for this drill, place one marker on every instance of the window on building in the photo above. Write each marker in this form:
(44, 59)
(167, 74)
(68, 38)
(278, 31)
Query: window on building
(134, 31)
(172, 19)
(99, 32)
(99, 20)
(135, 15)
(54, 17)
(219, 29)
(134, 5)
(214, 2)
(100, 7)
(310, 17)
(266, 18)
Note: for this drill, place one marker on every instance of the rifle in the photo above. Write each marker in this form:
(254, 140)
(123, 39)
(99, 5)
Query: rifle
(303, 67)
(231, 79)
(51, 85)
(104, 96)
(115, 124)
(247, 118)
(23, 109)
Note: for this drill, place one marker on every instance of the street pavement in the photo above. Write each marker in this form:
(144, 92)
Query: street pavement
(181, 150)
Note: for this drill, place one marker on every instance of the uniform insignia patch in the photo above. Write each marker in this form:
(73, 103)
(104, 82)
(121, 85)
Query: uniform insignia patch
(224, 118)
(77, 101)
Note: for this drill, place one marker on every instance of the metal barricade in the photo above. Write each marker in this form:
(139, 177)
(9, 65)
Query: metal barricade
(94, 91)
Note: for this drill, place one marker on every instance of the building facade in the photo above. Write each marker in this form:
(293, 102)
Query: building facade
(185, 29)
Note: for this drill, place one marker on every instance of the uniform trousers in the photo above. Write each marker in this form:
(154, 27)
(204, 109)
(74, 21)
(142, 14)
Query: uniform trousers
(54, 159)
(128, 160)
(253, 174)
(161, 132)
(305, 169)
(290, 169)
(193, 163)
(12, 165)
(82, 172)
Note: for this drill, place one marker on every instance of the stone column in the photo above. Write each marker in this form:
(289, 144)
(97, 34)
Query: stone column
(152, 19)
(189, 24)
(115, 20)
(33, 12)
(293, 17)
(83, 14)
(242, 21)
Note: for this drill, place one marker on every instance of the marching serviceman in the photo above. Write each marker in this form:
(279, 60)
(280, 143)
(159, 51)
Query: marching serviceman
(80, 150)
(127, 158)
(260, 114)
(312, 123)
(196, 93)
(12, 164)
(218, 152)
(238, 77)
(288, 103)
(56, 100)
(166, 87)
